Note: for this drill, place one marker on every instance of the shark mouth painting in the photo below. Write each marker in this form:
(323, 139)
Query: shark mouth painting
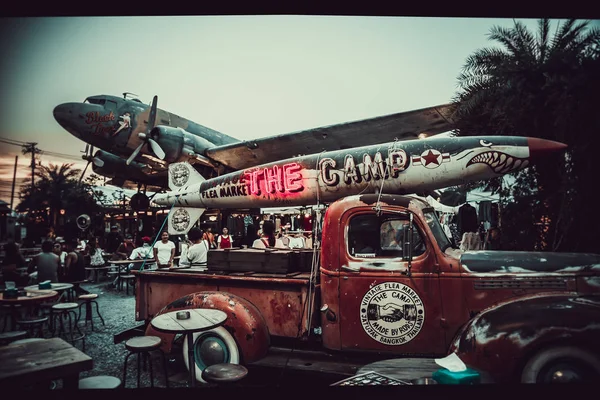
(499, 162)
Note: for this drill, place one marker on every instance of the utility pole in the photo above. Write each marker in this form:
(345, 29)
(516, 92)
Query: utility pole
(30, 148)
(12, 192)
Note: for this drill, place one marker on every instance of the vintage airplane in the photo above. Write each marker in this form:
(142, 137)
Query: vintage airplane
(137, 141)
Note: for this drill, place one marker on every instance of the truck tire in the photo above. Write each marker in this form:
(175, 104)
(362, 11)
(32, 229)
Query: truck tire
(561, 365)
(212, 347)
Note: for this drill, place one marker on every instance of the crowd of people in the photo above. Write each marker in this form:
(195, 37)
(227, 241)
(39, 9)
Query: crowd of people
(66, 261)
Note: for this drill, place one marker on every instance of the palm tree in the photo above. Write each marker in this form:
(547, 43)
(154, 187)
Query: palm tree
(57, 188)
(546, 86)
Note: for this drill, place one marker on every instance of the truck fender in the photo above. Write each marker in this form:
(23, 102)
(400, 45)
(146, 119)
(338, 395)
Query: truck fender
(504, 339)
(245, 324)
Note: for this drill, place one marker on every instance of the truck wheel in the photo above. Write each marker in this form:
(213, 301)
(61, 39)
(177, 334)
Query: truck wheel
(561, 365)
(212, 347)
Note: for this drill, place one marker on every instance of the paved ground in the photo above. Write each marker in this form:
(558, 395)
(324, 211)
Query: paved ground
(118, 311)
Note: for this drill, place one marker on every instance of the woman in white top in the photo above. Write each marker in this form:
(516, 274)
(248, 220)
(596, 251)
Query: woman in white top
(267, 239)
(164, 251)
(197, 253)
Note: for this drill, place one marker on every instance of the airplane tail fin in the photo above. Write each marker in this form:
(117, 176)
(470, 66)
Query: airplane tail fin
(183, 174)
(182, 219)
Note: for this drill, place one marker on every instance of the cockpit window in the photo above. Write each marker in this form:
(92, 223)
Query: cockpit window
(92, 100)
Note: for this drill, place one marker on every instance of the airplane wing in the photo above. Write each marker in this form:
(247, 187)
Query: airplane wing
(405, 125)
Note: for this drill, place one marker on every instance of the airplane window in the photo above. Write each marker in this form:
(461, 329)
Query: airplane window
(370, 236)
(95, 101)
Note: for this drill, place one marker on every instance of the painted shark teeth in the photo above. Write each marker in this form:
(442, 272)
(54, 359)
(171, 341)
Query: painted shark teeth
(499, 162)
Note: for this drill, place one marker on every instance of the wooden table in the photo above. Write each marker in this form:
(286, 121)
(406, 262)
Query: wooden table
(58, 287)
(201, 319)
(42, 361)
(30, 299)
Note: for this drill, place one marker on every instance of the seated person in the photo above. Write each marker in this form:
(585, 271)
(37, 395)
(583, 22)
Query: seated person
(74, 263)
(45, 263)
(144, 252)
(13, 259)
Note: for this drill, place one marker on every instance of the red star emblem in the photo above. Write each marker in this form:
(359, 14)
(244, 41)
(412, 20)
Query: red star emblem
(431, 158)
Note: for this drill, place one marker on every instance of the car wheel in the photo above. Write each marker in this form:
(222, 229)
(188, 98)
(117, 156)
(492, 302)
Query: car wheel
(211, 347)
(561, 365)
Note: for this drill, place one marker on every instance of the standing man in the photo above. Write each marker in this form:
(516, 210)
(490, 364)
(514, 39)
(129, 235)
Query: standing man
(164, 251)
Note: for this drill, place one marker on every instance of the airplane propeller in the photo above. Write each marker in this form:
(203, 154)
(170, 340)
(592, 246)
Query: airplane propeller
(147, 138)
(89, 156)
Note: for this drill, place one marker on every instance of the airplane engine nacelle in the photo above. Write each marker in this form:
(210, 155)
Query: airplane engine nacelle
(115, 167)
(179, 144)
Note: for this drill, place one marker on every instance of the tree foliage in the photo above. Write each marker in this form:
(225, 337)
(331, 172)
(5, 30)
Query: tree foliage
(57, 188)
(541, 85)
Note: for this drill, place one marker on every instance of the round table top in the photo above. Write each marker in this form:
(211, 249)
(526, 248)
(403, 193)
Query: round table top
(201, 319)
(54, 286)
(224, 373)
(32, 295)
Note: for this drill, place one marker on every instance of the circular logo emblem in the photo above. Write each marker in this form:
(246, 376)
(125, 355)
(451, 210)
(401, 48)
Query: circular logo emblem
(180, 175)
(392, 313)
(431, 158)
(181, 219)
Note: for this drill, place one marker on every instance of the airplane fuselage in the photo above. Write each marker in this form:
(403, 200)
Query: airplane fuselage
(117, 126)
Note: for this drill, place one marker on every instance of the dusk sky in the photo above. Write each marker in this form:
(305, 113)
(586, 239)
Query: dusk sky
(246, 76)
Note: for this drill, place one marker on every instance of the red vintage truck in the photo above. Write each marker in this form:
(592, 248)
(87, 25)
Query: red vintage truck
(386, 282)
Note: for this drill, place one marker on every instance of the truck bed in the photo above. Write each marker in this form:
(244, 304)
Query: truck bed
(281, 298)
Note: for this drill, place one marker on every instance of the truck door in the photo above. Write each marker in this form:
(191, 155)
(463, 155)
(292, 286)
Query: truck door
(381, 307)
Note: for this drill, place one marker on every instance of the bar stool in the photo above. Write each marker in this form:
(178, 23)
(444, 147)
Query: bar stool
(126, 279)
(9, 315)
(63, 311)
(143, 345)
(224, 374)
(88, 300)
(100, 382)
(9, 337)
(31, 324)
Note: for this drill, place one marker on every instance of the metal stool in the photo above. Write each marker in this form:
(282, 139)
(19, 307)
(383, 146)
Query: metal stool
(100, 382)
(88, 300)
(9, 315)
(9, 337)
(224, 374)
(31, 324)
(125, 279)
(63, 311)
(143, 345)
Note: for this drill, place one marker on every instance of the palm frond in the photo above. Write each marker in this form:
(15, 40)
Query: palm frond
(525, 43)
(505, 36)
(543, 38)
(565, 34)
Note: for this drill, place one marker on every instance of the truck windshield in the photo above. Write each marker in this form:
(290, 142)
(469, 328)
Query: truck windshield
(437, 230)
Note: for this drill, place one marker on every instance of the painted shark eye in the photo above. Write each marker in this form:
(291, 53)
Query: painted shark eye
(485, 144)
